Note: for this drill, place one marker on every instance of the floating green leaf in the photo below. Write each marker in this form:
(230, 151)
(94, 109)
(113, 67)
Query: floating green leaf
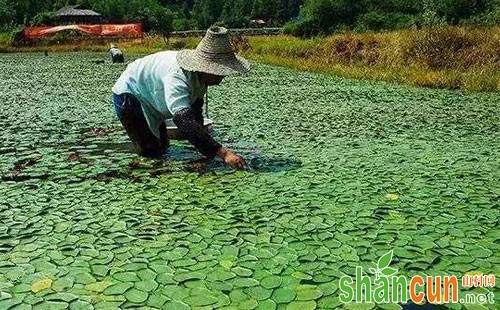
(283, 295)
(118, 288)
(136, 296)
(41, 285)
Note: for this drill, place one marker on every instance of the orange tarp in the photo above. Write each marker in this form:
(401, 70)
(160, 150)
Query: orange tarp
(129, 30)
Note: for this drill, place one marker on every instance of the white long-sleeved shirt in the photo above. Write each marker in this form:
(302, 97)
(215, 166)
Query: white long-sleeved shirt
(161, 85)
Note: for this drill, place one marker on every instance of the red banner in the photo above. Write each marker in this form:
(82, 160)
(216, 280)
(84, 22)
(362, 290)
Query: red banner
(129, 30)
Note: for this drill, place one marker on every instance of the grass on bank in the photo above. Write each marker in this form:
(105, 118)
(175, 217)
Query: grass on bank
(449, 57)
(149, 44)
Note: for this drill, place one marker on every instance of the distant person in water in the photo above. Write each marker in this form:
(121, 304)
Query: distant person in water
(116, 54)
(171, 85)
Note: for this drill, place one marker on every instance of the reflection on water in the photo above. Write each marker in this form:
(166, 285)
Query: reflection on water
(181, 157)
(192, 161)
(272, 164)
(115, 147)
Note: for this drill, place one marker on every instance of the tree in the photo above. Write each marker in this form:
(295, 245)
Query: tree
(456, 10)
(313, 16)
(44, 18)
(265, 9)
(234, 14)
(330, 15)
(7, 15)
(207, 12)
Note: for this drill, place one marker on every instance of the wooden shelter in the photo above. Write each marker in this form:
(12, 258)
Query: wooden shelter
(74, 15)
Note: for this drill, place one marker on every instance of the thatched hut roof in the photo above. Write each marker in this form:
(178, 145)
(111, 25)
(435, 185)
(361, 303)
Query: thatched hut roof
(74, 11)
(72, 14)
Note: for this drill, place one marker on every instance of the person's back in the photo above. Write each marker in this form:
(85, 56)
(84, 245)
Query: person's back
(116, 54)
(156, 79)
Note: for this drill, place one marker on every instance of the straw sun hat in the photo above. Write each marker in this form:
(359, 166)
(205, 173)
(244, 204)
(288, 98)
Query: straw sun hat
(213, 55)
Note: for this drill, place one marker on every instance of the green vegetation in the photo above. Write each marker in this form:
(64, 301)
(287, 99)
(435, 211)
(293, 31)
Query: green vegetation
(342, 171)
(304, 18)
(330, 16)
(179, 14)
(449, 57)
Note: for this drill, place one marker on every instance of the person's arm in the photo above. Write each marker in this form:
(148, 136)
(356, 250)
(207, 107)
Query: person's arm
(185, 118)
(198, 110)
(198, 136)
(194, 132)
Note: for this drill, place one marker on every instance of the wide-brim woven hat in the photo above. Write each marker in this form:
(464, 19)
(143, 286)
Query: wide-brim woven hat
(213, 55)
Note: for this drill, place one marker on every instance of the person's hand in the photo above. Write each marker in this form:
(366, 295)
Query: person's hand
(231, 158)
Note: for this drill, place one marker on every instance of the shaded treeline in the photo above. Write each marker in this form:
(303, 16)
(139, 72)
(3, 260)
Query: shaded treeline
(301, 17)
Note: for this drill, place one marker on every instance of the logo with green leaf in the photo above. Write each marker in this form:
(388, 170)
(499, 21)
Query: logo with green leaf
(383, 268)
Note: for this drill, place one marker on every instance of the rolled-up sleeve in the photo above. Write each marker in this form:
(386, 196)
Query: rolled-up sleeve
(188, 117)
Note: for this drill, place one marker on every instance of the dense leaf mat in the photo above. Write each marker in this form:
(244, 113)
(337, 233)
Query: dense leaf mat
(341, 171)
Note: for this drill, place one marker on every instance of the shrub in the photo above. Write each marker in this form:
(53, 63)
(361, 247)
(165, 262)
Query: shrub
(158, 19)
(377, 21)
(488, 19)
(304, 28)
(290, 28)
(451, 47)
(240, 43)
(16, 37)
(349, 49)
(44, 18)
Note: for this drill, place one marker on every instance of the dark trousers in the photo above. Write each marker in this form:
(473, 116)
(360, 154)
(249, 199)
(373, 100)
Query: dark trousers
(129, 112)
(117, 58)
